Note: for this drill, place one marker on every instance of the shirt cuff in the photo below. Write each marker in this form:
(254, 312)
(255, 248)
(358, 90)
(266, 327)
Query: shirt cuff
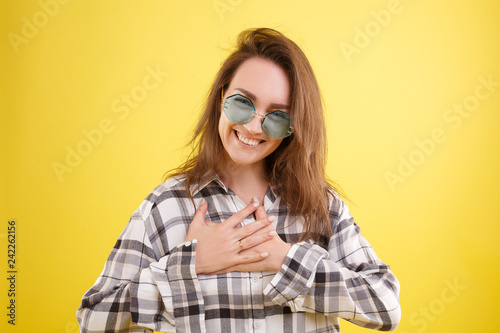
(187, 297)
(291, 283)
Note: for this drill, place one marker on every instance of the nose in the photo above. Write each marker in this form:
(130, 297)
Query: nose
(255, 125)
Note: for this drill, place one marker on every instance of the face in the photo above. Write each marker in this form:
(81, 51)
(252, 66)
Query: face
(267, 85)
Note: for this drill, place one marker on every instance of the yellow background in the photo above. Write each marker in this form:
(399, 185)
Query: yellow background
(437, 226)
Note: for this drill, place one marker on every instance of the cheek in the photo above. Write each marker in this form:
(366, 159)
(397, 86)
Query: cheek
(221, 126)
(276, 144)
(224, 128)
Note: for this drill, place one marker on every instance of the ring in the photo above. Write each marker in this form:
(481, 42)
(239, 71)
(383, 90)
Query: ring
(241, 246)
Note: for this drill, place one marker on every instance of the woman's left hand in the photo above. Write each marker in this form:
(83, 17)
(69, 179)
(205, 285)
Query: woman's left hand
(276, 248)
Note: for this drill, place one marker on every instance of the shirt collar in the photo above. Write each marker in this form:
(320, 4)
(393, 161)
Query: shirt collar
(214, 178)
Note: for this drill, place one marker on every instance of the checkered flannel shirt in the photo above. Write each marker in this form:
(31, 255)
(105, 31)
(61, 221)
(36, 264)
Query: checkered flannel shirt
(149, 280)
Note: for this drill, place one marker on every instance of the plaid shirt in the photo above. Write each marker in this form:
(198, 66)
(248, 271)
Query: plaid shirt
(149, 280)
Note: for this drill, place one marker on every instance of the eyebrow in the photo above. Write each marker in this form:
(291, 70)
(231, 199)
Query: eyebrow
(273, 105)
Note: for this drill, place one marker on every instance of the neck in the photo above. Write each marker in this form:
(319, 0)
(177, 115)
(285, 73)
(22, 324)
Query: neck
(247, 181)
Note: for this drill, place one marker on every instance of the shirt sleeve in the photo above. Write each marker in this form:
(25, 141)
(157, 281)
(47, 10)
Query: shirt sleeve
(347, 281)
(141, 291)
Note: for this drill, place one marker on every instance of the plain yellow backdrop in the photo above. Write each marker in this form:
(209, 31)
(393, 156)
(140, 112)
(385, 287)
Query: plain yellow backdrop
(99, 98)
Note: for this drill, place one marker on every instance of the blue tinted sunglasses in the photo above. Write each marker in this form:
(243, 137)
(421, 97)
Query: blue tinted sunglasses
(240, 110)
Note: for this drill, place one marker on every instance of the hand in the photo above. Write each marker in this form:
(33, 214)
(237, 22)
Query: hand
(218, 244)
(275, 247)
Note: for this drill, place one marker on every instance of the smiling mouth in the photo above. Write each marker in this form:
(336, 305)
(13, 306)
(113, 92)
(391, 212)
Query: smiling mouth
(247, 141)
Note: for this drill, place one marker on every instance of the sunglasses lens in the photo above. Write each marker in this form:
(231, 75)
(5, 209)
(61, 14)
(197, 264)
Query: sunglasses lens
(238, 109)
(277, 125)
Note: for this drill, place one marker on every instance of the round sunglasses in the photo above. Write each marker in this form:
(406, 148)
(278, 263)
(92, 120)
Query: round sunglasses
(240, 110)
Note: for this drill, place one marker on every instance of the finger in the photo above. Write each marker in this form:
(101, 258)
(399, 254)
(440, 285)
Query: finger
(236, 219)
(199, 215)
(251, 228)
(260, 213)
(257, 238)
(198, 222)
(209, 223)
(247, 258)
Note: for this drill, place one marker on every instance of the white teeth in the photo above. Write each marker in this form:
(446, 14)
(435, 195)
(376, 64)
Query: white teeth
(245, 140)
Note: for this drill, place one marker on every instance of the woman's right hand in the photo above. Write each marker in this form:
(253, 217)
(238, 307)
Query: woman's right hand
(218, 244)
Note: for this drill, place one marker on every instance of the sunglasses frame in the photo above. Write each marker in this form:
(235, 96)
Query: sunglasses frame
(290, 128)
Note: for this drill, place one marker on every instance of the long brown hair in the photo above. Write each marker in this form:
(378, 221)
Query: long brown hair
(296, 169)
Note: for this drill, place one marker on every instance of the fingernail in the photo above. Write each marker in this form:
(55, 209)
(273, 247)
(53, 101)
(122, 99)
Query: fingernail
(271, 218)
(272, 233)
(256, 202)
(263, 255)
(202, 202)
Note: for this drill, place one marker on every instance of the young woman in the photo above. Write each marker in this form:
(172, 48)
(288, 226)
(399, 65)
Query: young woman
(247, 235)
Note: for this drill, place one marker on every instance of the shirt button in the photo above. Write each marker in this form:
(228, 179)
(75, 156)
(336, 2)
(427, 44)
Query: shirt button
(256, 325)
(255, 278)
(188, 243)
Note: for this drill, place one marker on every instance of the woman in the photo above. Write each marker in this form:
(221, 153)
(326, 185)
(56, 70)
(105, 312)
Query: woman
(270, 247)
